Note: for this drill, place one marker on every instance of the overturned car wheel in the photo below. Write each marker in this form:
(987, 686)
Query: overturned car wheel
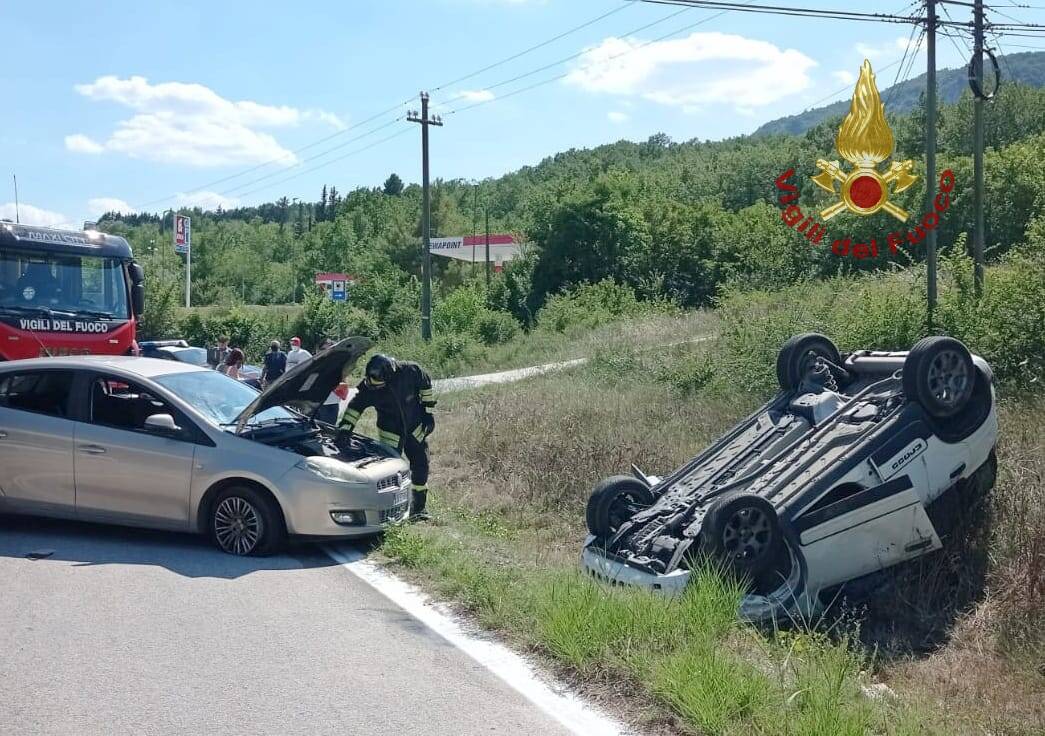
(798, 354)
(939, 374)
(742, 530)
(613, 502)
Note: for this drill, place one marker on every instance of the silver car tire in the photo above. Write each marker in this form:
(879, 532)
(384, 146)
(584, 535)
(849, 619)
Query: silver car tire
(244, 521)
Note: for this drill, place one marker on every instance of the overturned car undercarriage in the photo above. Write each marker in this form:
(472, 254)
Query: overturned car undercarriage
(835, 478)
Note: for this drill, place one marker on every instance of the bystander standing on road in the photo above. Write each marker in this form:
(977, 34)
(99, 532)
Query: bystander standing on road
(275, 364)
(297, 353)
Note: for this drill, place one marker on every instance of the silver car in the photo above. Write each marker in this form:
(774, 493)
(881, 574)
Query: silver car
(163, 444)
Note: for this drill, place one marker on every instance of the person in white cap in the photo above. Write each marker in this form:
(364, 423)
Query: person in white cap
(297, 354)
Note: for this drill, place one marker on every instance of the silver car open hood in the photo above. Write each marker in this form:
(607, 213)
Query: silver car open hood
(308, 384)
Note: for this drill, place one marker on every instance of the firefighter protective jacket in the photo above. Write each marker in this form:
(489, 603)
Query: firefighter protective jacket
(400, 403)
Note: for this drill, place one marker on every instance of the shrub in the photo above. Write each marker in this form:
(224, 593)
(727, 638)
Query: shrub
(495, 328)
(591, 305)
(458, 311)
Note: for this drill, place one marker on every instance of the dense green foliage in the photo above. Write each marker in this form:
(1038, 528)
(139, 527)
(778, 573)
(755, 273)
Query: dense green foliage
(668, 222)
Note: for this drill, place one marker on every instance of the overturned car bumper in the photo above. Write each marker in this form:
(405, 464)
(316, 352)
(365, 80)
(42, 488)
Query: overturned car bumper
(603, 567)
(789, 602)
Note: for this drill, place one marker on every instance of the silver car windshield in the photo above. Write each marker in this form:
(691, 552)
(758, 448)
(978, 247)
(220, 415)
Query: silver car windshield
(218, 397)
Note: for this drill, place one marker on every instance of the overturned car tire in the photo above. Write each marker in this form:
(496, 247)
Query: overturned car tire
(797, 355)
(939, 374)
(742, 530)
(613, 501)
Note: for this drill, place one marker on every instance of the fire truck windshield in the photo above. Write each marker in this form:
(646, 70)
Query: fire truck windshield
(86, 285)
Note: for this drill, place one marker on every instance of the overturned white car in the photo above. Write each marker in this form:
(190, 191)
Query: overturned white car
(844, 473)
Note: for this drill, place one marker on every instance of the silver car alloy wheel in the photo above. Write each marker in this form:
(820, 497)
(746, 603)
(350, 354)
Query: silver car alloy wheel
(238, 526)
(949, 378)
(747, 534)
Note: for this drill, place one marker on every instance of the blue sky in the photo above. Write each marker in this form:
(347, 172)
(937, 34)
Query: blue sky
(148, 105)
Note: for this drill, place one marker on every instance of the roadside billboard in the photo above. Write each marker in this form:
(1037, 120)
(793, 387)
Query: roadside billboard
(182, 234)
(472, 248)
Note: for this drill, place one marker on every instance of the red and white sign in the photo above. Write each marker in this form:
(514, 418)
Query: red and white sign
(335, 284)
(472, 248)
(182, 234)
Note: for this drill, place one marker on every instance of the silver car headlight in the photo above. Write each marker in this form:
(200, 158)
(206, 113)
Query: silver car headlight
(328, 468)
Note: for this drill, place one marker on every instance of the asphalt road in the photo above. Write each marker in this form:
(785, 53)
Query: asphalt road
(122, 631)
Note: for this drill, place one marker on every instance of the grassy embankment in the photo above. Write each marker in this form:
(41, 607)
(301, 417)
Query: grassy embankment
(514, 465)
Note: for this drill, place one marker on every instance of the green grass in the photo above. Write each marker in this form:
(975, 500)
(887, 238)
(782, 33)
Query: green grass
(687, 655)
(510, 503)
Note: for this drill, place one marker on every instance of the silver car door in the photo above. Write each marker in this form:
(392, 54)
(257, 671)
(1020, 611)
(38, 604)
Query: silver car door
(125, 471)
(36, 441)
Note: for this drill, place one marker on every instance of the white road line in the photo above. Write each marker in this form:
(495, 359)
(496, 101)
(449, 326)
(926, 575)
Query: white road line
(554, 700)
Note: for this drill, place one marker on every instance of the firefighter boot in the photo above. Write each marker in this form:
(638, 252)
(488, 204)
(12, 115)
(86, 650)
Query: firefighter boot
(418, 498)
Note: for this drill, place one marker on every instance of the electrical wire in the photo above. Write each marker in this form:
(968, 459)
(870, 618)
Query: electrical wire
(367, 147)
(563, 60)
(262, 165)
(540, 45)
(791, 11)
(380, 114)
(557, 77)
(314, 157)
(903, 59)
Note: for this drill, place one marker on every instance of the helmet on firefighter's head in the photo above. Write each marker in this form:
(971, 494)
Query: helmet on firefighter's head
(379, 370)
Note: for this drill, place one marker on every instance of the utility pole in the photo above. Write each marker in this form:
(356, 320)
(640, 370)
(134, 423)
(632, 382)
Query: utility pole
(486, 208)
(976, 72)
(426, 216)
(475, 218)
(930, 154)
(18, 220)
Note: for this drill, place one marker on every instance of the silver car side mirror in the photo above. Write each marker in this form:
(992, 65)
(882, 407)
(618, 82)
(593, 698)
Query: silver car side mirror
(161, 424)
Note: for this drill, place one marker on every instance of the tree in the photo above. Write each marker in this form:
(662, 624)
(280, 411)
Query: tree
(284, 207)
(321, 208)
(335, 200)
(393, 185)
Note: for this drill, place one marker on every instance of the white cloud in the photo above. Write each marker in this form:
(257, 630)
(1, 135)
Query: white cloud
(329, 118)
(30, 215)
(206, 200)
(844, 77)
(80, 143)
(888, 50)
(617, 117)
(476, 95)
(97, 206)
(176, 122)
(703, 69)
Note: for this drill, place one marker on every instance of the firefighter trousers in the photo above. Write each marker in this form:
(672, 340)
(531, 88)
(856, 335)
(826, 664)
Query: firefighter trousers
(416, 453)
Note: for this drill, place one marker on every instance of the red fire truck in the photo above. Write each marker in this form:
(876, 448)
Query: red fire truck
(64, 292)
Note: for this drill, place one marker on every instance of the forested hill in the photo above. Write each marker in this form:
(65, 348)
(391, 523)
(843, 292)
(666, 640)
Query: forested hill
(670, 220)
(1026, 68)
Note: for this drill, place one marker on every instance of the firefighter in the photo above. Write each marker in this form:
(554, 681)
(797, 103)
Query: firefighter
(401, 393)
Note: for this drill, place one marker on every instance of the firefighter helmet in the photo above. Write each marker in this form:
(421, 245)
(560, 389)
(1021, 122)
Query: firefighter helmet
(379, 370)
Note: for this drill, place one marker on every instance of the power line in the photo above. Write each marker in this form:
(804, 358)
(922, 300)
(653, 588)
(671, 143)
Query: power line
(565, 59)
(557, 77)
(783, 10)
(262, 165)
(951, 36)
(319, 155)
(540, 45)
(906, 51)
(384, 112)
(367, 147)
